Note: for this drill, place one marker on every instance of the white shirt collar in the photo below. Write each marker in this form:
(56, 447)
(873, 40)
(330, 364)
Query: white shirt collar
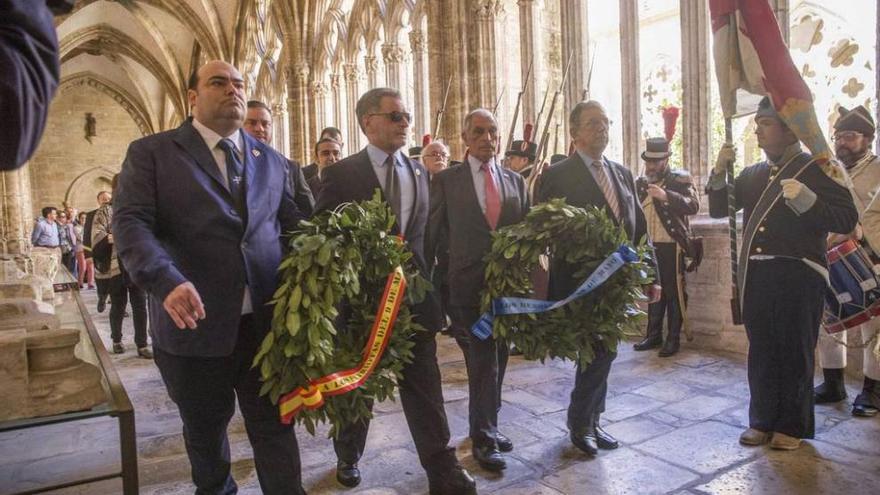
(378, 157)
(212, 138)
(475, 163)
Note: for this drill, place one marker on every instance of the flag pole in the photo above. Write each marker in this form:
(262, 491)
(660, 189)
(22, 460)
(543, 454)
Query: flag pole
(735, 309)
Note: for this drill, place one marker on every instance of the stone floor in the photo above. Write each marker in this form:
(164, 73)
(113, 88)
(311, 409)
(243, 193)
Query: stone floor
(677, 419)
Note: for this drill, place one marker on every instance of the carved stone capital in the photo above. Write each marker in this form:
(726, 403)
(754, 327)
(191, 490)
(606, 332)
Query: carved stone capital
(318, 89)
(279, 108)
(350, 72)
(371, 64)
(392, 53)
(334, 82)
(298, 73)
(487, 10)
(417, 41)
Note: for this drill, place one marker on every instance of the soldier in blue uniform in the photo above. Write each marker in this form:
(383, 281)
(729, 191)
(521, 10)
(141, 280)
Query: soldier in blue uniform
(790, 204)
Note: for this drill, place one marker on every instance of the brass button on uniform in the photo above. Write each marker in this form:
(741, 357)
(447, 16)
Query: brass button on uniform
(758, 250)
(761, 229)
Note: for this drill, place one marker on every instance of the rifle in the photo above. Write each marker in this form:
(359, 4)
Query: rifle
(542, 147)
(439, 118)
(518, 103)
(498, 101)
(590, 74)
(543, 104)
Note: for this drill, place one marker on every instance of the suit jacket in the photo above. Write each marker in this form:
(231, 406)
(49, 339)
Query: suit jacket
(570, 179)
(315, 185)
(175, 221)
(459, 236)
(353, 179)
(28, 79)
(302, 194)
(310, 170)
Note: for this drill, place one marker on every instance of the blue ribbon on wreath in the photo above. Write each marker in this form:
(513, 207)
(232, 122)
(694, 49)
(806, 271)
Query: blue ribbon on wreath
(482, 329)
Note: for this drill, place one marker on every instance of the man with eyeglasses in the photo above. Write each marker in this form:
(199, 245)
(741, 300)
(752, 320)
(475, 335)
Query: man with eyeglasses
(853, 135)
(435, 157)
(404, 185)
(588, 178)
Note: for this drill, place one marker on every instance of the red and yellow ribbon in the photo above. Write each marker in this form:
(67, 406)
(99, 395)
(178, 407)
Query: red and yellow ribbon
(312, 396)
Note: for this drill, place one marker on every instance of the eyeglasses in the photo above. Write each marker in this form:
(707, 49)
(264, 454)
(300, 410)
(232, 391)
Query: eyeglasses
(396, 116)
(847, 136)
(593, 123)
(438, 155)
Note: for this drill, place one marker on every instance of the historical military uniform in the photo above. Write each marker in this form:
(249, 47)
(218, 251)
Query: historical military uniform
(525, 149)
(865, 176)
(783, 277)
(669, 230)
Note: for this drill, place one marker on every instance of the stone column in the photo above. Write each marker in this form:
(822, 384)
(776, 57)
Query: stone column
(485, 78)
(297, 104)
(393, 56)
(318, 91)
(371, 64)
(16, 219)
(336, 91)
(529, 49)
(695, 110)
(877, 75)
(280, 130)
(420, 82)
(448, 54)
(576, 43)
(353, 137)
(631, 91)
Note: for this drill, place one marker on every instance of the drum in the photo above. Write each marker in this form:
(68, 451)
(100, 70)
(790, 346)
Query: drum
(854, 295)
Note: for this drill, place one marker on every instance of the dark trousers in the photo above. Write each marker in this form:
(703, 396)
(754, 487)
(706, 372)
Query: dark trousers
(671, 267)
(101, 285)
(120, 294)
(205, 390)
(590, 390)
(486, 362)
(782, 307)
(422, 399)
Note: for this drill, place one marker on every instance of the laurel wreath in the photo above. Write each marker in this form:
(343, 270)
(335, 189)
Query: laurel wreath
(331, 283)
(582, 238)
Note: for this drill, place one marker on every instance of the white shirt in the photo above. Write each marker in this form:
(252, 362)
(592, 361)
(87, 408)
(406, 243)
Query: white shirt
(407, 184)
(480, 179)
(212, 139)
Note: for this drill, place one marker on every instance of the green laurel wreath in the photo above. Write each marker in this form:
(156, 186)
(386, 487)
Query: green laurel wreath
(338, 256)
(582, 238)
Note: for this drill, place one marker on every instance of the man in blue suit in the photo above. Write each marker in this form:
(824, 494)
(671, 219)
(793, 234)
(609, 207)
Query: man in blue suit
(200, 211)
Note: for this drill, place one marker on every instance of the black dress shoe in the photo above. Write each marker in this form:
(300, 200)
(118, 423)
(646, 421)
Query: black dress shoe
(504, 443)
(604, 440)
(348, 474)
(489, 458)
(586, 442)
(649, 342)
(456, 481)
(670, 348)
(833, 389)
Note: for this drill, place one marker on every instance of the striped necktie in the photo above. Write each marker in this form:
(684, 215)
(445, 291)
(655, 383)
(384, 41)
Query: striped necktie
(607, 189)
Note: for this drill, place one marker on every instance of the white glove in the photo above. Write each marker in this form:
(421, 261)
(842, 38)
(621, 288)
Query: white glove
(727, 154)
(791, 188)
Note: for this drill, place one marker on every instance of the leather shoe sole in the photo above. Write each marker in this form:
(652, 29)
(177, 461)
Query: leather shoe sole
(647, 345)
(348, 474)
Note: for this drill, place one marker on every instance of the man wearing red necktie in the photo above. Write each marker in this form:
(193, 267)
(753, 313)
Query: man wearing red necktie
(468, 203)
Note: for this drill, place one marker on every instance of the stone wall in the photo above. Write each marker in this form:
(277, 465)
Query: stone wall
(67, 167)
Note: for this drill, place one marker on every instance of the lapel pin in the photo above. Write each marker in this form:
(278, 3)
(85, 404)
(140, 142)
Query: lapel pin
(255, 152)
(418, 173)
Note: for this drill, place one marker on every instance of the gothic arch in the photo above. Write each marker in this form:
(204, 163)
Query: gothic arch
(99, 173)
(135, 108)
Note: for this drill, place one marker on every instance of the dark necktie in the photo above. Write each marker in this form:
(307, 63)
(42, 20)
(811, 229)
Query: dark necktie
(234, 175)
(392, 189)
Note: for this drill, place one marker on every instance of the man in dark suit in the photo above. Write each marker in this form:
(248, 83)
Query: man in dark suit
(327, 152)
(467, 204)
(200, 212)
(333, 133)
(404, 185)
(587, 178)
(258, 123)
(29, 75)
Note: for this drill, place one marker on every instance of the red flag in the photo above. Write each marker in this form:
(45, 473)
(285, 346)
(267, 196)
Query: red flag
(750, 55)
